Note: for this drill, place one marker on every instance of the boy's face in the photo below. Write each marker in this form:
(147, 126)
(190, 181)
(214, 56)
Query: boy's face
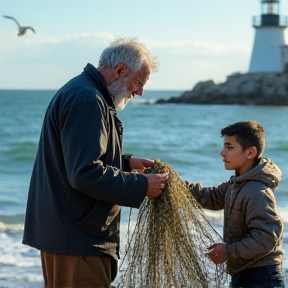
(234, 157)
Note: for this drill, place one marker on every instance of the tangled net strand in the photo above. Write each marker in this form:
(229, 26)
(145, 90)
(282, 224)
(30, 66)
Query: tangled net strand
(167, 247)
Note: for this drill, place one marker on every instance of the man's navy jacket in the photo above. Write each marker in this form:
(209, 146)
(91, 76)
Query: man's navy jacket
(78, 184)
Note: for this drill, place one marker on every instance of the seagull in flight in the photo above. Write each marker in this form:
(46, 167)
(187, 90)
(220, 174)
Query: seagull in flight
(21, 29)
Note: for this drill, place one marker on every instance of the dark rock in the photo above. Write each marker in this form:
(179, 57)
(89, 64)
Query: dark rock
(247, 89)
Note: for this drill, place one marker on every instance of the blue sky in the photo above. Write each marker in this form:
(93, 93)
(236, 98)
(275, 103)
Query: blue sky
(194, 40)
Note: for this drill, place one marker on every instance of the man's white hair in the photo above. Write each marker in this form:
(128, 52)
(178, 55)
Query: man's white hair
(128, 51)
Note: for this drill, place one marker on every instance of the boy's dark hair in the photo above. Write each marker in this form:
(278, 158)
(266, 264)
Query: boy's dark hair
(248, 134)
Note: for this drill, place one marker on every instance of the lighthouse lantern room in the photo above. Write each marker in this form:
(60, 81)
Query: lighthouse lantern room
(269, 51)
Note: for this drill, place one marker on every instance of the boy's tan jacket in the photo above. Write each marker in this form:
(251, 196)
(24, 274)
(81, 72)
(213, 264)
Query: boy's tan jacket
(252, 228)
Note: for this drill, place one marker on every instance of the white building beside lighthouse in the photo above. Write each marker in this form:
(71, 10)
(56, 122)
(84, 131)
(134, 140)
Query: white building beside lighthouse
(270, 51)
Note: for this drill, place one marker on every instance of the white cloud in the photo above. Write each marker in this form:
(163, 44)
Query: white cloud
(187, 48)
(47, 62)
(192, 48)
(11, 39)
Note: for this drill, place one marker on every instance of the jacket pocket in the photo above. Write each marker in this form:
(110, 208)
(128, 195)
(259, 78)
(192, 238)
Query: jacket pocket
(99, 218)
(236, 225)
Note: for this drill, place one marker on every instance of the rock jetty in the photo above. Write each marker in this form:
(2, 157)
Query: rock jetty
(248, 89)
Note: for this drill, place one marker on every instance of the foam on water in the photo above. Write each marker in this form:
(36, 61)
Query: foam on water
(18, 263)
(15, 256)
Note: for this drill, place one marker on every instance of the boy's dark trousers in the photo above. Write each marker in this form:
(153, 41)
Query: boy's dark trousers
(271, 276)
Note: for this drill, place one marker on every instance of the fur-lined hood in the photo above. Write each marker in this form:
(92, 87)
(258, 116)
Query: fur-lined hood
(266, 172)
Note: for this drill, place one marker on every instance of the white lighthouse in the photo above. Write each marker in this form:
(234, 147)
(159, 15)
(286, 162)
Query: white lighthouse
(270, 53)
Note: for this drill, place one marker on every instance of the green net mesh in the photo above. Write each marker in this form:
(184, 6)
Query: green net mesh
(168, 244)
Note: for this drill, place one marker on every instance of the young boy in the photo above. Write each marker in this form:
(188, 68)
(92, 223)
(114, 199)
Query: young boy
(252, 226)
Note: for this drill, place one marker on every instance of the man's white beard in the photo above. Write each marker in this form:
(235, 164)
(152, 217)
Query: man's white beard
(118, 91)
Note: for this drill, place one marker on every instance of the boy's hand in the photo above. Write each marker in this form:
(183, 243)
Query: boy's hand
(217, 253)
(190, 184)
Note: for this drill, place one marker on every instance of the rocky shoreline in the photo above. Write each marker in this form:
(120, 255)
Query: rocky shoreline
(247, 89)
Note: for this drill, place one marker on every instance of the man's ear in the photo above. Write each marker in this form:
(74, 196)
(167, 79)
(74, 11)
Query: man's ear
(119, 70)
(251, 152)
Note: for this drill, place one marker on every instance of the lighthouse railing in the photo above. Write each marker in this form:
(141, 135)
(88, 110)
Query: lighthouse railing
(272, 20)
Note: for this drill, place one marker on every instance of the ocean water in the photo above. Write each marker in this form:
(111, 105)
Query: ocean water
(185, 136)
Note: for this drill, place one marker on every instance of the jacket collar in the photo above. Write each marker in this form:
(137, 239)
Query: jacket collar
(100, 82)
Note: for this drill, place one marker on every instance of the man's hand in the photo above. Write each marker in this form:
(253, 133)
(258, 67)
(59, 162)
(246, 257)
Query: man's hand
(217, 253)
(156, 182)
(140, 164)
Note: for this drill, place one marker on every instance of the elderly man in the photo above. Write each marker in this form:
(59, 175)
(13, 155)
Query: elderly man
(80, 177)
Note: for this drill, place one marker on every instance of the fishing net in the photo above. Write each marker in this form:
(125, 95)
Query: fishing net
(168, 244)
